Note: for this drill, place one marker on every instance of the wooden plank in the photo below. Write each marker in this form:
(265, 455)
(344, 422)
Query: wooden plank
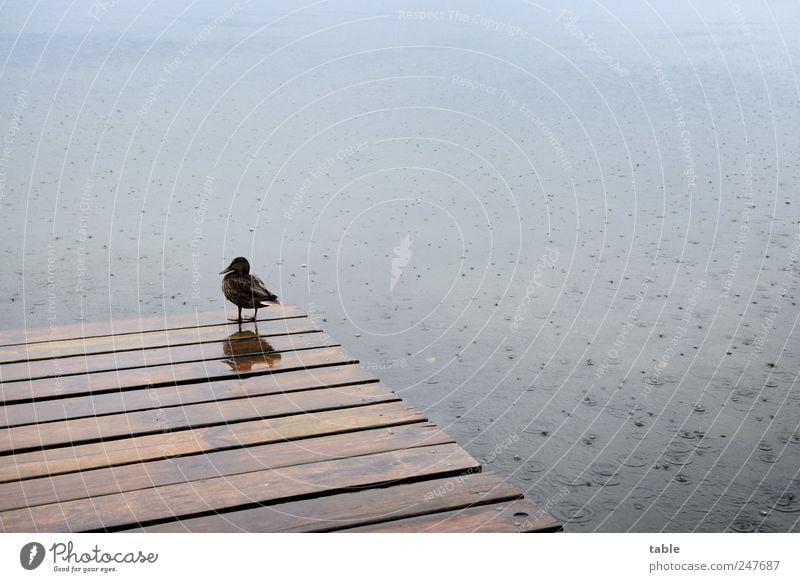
(369, 506)
(162, 420)
(518, 516)
(189, 423)
(149, 398)
(211, 495)
(238, 347)
(97, 482)
(220, 437)
(27, 390)
(151, 339)
(120, 326)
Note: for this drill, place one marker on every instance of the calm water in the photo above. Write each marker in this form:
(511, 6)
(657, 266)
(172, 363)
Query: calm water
(570, 234)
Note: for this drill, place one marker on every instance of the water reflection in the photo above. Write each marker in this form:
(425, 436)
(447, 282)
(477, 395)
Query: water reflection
(249, 352)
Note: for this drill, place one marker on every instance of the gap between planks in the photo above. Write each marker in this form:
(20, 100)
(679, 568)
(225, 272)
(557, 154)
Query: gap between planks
(148, 398)
(140, 507)
(127, 326)
(104, 481)
(109, 428)
(221, 437)
(155, 339)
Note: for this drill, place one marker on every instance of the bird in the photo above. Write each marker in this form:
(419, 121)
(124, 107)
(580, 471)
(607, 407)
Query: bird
(244, 290)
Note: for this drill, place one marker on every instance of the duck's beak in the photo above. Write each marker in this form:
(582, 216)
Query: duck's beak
(226, 271)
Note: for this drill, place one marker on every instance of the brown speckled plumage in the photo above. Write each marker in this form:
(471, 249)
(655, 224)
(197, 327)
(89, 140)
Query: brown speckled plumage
(244, 290)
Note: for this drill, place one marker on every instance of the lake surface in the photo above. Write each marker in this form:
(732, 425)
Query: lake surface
(568, 233)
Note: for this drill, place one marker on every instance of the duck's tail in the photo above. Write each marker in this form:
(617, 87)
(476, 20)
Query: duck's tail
(272, 300)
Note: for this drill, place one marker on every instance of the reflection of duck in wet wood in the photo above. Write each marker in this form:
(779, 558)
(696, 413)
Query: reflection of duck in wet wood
(244, 290)
(247, 350)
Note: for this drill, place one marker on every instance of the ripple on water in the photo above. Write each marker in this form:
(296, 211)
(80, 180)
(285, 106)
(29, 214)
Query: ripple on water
(745, 524)
(677, 459)
(669, 379)
(707, 444)
(678, 447)
(606, 480)
(742, 399)
(643, 494)
(768, 458)
(544, 386)
(777, 372)
(624, 411)
(538, 430)
(786, 438)
(589, 401)
(531, 468)
(748, 393)
(571, 480)
(535, 466)
(573, 512)
(610, 504)
(787, 502)
(605, 469)
(736, 494)
(469, 428)
(635, 460)
(550, 389)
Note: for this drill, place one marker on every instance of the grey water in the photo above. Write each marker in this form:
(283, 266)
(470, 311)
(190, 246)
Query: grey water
(568, 232)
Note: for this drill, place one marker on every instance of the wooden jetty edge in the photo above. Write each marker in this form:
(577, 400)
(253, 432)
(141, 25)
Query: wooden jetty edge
(193, 424)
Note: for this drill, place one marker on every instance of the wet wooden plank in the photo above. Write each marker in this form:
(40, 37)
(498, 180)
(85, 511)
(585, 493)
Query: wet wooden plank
(110, 480)
(162, 420)
(241, 345)
(152, 339)
(345, 510)
(121, 326)
(211, 495)
(150, 398)
(190, 422)
(520, 516)
(185, 442)
(27, 390)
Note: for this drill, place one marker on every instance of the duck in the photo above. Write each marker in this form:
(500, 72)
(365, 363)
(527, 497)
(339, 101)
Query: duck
(244, 290)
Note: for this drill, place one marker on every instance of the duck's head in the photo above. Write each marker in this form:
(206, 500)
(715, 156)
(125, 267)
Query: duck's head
(238, 265)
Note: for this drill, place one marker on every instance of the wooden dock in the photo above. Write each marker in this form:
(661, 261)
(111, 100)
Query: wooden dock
(190, 423)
